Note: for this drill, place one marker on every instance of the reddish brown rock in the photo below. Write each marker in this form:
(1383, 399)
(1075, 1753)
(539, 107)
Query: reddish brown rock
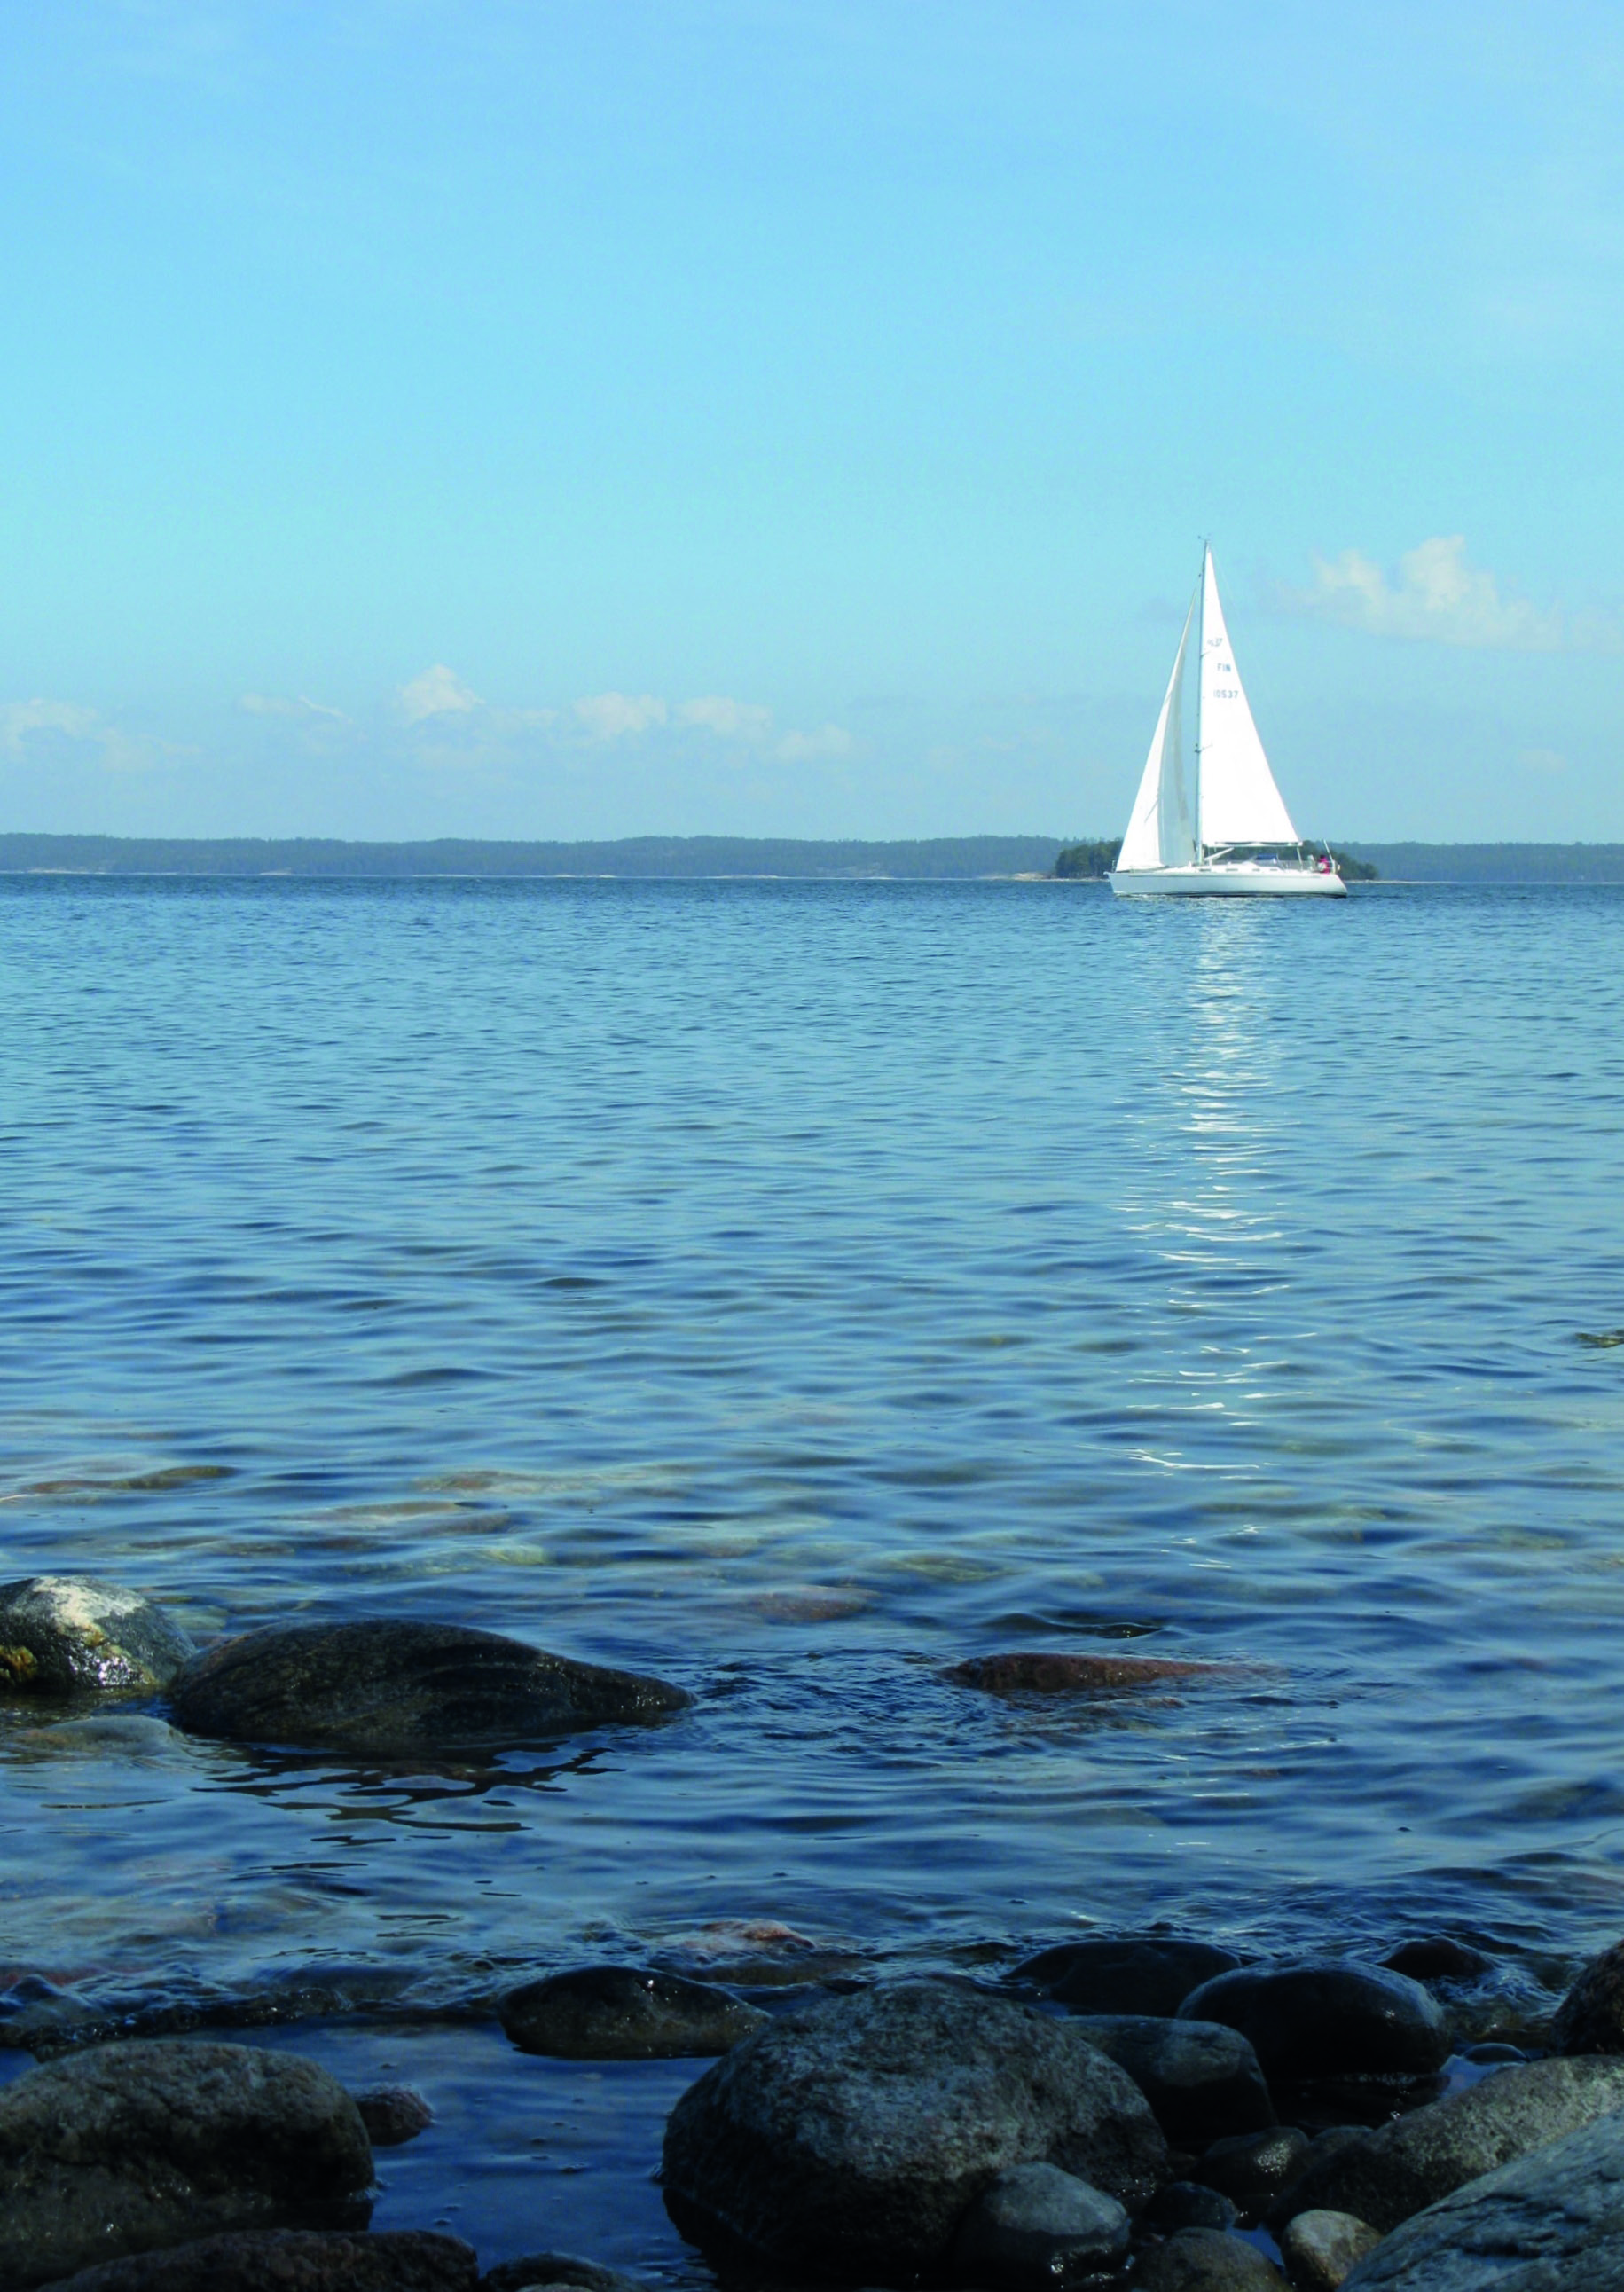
(1025, 1672)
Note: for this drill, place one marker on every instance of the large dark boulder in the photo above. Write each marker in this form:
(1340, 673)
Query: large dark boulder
(74, 1636)
(1201, 2079)
(1590, 2019)
(1386, 2176)
(1551, 2221)
(380, 1689)
(623, 2013)
(291, 2260)
(134, 2146)
(1327, 2019)
(1140, 1974)
(848, 2142)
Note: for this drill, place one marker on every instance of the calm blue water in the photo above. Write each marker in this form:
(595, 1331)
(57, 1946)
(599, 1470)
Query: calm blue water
(791, 1289)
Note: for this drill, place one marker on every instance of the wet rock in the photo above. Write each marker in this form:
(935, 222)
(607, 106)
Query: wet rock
(383, 1689)
(1552, 2222)
(1438, 1958)
(291, 2260)
(1387, 2175)
(1328, 2020)
(1025, 1672)
(393, 2114)
(1139, 1975)
(1206, 2259)
(1201, 2079)
(1186, 2204)
(620, 2014)
(1590, 2019)
(1492, 2053)
(139, 2146)
(1035, 2227)
(74, 1635)
(540, 2268)
(849, 2140)
(1321, 2249)
(1252, 2168)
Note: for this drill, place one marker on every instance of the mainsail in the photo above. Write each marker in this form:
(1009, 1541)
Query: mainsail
(1208, 785)
(1162, 830)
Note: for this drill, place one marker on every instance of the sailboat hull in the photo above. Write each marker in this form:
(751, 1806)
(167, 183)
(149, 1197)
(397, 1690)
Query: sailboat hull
(1238, 880)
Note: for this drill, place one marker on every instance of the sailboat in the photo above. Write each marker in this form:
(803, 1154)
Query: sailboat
(1208, 820)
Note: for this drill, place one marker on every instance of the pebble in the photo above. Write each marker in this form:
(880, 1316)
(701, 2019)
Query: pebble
(1201, 2079)
(622, 2013)
(1328, 2020)
(131, 2147)
(1139, 1974)
(382, 1689)
(76, 1635)
(1206, 2259)
(1321, 2249)
(1252, 2168)
(848, 2141)
(1035, 2227)
(291, 2260)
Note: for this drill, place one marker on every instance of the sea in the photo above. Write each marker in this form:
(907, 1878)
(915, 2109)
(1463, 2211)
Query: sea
(795, 1290)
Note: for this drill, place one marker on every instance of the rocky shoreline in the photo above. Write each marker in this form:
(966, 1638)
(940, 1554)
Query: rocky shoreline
(1143, 2111)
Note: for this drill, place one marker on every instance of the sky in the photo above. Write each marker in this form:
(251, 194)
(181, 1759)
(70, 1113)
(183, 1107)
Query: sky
(587, 417)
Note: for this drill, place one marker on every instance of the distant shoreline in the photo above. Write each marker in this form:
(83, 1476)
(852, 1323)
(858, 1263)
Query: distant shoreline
(697, 858)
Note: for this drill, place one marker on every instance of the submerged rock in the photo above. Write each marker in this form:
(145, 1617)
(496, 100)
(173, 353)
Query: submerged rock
(540, 2268)
(74, 1635)
(620, 2014)
(1201, 2079)
(1206, 2259)
(393, 2114)
(1590, 2019)
(291, 2260)
(848, 2141)
(1025, 1672)
(1036, 2228)
(1141, 1974)
(1321, 2249)
(1438, 1958)
(139, 2146)
(1327, 2019)
(383, 1688)
(1552, 2222)
(1386, 2176)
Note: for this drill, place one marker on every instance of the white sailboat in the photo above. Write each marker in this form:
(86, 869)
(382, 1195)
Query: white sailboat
(1208, 820)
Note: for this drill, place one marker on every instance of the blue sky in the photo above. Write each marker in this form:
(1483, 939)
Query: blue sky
(788, 416)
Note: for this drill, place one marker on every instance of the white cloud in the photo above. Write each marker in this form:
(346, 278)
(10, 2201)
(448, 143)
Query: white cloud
(732, 720)
(438, 691)
(1438, 597)
(612, 715)
(20, 718)
(806, 747)
(269, 704)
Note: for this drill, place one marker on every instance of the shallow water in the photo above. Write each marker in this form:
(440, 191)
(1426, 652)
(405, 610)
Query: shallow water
(792, 1289)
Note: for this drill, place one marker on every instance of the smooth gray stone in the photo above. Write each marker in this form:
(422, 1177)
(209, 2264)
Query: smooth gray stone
(393, 2114)
(74, 1635)
(1590, 2019)
(1321, 2249)
(849, 2141)
(1206, 2259)
(383, 1689)
(131, 2147)
(1035, 2228)
(1386, 2176)
(1552, 2222)
(1201, 2079)
(1254, 2167)
(291, 2260)
(623, 2013)
(1326, 2020)
(542, 2268)
(1140, 1974)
